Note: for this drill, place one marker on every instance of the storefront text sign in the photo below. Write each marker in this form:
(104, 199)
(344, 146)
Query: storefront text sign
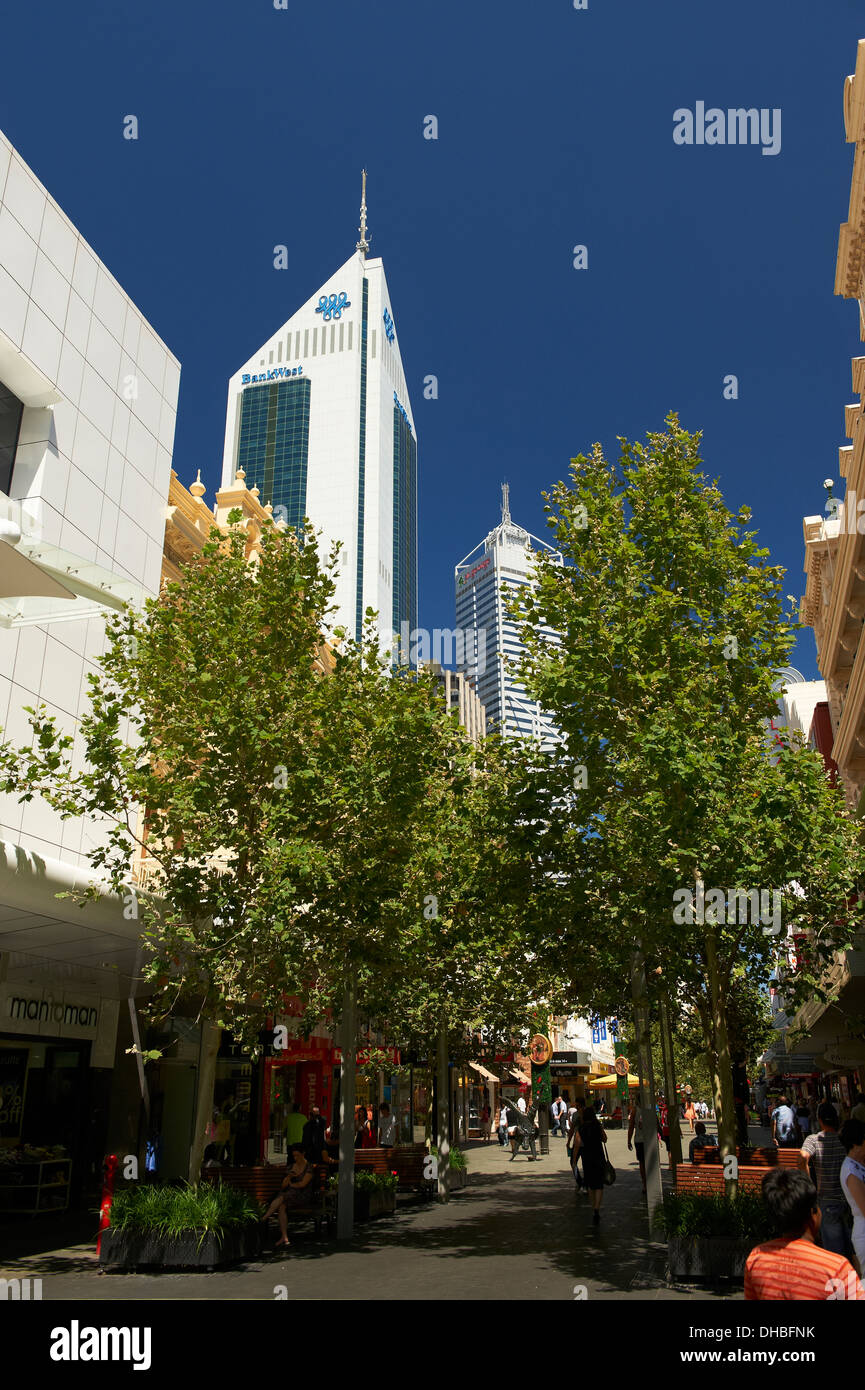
(49, 1013)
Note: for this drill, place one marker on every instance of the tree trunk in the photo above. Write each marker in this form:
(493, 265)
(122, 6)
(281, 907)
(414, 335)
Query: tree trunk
(443, 1124)
(654, 1184)
(210, 1039)
(347, 1095)
(670, 1083)
(722, 1078)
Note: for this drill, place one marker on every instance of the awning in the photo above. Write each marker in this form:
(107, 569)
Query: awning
(482, 1071)
(608, 1083)
(21, 577)
(40, 583)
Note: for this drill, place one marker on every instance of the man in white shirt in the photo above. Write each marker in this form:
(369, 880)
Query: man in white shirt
(558, 1110)
(784, 1128)
(386, 1126)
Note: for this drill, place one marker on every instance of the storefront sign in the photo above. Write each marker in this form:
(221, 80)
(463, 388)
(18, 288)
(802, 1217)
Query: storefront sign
(49, 1013)
(850, 1057)
(573, 1061)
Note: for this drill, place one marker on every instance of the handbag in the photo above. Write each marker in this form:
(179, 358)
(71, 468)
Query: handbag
(609, 1170)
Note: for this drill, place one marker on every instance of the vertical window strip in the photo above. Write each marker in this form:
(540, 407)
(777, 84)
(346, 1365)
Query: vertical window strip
(361, 463)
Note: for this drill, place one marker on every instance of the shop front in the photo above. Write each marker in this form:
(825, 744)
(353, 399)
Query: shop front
(56, 1058)
(569, 1072)
(303, 1073)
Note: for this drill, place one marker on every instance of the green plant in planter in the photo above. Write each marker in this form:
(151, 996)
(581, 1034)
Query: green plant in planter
(456, 1160)
(694, 1216)
(365, 1181)
(171, 1212)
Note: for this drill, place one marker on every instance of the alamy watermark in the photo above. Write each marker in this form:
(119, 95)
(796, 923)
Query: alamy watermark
(731, 905)
(462, 647)
(736, 126)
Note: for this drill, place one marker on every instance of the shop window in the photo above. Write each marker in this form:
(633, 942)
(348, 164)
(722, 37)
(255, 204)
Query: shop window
(11, 411)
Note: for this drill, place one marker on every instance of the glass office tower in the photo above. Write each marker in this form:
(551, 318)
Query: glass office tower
(505, 558)
(320, 420)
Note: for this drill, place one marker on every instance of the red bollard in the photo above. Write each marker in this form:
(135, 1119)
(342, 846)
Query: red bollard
(109, 1178)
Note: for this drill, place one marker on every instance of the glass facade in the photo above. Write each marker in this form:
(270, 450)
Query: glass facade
(404, 523)
(11, 410)
(273, 449)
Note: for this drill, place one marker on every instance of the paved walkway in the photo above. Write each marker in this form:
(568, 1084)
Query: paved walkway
(519, 1230)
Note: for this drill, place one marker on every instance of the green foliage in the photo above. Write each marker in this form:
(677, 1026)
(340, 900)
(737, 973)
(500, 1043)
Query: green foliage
(692, 1216)
(299, 821)
(366, 1181)
(201, 1209)
(672, 634)
(456, 1157)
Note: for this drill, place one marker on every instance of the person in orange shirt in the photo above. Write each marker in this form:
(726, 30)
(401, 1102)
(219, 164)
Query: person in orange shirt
(794, 1266)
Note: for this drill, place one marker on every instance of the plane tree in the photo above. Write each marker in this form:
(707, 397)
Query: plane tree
(672, 632)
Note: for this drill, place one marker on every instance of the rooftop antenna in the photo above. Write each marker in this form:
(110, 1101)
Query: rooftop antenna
(363, 244)
(506, 503)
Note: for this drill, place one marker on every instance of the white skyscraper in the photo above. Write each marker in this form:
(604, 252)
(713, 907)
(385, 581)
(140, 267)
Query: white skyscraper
(506, 558)
(320, 420)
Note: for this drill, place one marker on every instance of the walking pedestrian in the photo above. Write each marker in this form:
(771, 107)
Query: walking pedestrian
(485, 1124)
(825, 1154)
(690, 1114)
(785, 1131)
(558, 1112)
(589, 1141)
(793, 1265)
(803, 1119)
(635, 1132)
(853, 1183)
(503, 1124)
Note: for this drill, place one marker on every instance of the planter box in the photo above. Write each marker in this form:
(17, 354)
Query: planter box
(708, 1257)
(457, 1178)
(369, 1205)
(134, 1249)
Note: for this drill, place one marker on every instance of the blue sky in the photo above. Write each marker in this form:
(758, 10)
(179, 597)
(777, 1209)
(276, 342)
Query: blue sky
(555, 129)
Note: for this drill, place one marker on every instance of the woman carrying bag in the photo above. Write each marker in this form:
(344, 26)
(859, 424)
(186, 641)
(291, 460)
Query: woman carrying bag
(589, 1141)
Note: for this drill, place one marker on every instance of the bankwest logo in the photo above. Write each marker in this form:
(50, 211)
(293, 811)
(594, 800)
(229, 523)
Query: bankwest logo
(76, 1343)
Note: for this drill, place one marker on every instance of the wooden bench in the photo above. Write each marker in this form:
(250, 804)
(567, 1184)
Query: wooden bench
(407, 1162)
(264, 1183)
(754, 1158)
(706, 1173)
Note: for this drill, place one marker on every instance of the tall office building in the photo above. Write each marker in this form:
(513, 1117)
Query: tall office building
(504, 558)
(319, 419)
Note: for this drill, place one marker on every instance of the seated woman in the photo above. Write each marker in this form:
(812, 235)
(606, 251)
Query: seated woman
(701, 1140)
(293, 1193)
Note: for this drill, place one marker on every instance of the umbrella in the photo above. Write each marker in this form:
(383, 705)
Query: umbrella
(608, 1082)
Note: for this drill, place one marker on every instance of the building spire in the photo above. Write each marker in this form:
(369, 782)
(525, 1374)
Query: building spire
(363, 244)
(506, 503)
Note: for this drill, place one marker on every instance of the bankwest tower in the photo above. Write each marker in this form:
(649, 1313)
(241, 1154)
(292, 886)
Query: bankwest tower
(319, 419)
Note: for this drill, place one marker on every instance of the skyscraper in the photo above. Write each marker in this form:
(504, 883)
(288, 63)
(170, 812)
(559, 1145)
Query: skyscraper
(319, 419)
(504, 558)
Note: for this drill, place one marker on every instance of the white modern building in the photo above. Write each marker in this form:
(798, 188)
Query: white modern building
(88, 395)
(319, 420)
(504, 559)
